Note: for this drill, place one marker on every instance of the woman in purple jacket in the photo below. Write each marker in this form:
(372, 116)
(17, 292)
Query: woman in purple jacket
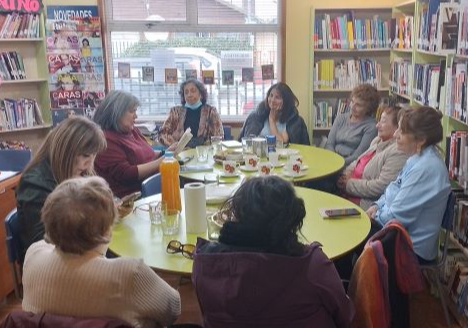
(259, 274)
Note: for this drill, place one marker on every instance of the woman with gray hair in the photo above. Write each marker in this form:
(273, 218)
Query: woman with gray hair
(128, 159)
(194, 113)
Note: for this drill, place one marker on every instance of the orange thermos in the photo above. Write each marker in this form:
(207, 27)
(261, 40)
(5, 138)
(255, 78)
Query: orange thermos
(170, 182)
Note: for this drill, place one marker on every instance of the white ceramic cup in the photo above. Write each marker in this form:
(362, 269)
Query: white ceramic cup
(251, 161)
(296, 158)
(264, 168)
(293, 167)
(229, 167)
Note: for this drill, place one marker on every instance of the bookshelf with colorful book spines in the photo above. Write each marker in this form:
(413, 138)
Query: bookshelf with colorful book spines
(34, 86)
(349, 46)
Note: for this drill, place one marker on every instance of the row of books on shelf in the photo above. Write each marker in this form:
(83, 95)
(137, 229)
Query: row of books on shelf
(457, 89)
(401, 77)
(326, 112)
(455, 277)
(12, 66)
(346, 32)
(20, 113)
(462, 48)
(429, 80)
(346, 74)
(439, 28)
(18, 26)
(456, 156)
(401, 32)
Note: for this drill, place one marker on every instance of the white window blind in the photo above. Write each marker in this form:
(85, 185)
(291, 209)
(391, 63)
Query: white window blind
(188, 35)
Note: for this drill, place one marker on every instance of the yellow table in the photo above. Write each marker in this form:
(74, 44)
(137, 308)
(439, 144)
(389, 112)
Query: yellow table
(321, 163)
(136, 237)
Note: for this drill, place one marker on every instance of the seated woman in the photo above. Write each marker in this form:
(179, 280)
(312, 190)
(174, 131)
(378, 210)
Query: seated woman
(128, 159)
(418, 197)
(259, 274)
(365, 179)
(351, 134)
(277, 115)
(68, 151)
(194, 113)
(67, 274)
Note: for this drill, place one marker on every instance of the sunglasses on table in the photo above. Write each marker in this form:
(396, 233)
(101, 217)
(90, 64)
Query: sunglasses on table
(176, 246)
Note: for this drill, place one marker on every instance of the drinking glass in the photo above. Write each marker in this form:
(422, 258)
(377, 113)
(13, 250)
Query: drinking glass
(216, 143)
(170, 222)
(202, 153)
(247, 145)
(155, 209)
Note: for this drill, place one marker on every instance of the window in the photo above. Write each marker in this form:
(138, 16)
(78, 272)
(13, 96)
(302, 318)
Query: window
(191, 36)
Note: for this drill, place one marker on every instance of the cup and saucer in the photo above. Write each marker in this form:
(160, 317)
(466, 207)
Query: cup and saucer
(251, 163)
(229, 170)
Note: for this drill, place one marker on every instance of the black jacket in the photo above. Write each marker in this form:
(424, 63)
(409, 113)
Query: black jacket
(295, 125)
(35, 185)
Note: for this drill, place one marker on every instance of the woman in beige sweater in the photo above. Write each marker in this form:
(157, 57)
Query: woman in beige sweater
(365, 179)
(68, 274)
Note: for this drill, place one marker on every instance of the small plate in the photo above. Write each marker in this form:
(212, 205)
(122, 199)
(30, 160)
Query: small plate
(225, 175)
(285, 152)
(248, 169)
(218, 194)
(294, 175)
(304, 167)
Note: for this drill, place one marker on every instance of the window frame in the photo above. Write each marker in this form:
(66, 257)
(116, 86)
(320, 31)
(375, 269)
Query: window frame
(190, 25)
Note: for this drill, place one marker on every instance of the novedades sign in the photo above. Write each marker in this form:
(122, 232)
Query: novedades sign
(25, 6)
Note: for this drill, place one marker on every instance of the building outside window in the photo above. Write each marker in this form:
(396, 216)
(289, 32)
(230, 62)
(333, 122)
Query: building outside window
(191, 37)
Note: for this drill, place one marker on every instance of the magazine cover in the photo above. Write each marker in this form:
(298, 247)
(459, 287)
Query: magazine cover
(123, 70)
(92, 99)
(267, 72)
(63, 40)
(171, 75)
(59, 115)
(64, 63)
(147, 73)
(247, 74)
(66, 99)
(208, 76)
(67, 82)
(191, 74)
(228, 77)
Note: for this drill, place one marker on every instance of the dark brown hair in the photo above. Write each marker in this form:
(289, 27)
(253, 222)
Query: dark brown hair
(200, 86)
(290, 101)
(368, 96)
(78, 214)
(423, 123)
(268, 209)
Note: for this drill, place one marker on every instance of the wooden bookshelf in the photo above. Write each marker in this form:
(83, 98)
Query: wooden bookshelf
(327, 51)
(22, 40)
(38, 127)
(429, 53)
(403, 50)
(407, 97)
(345, 90)
(34, 86)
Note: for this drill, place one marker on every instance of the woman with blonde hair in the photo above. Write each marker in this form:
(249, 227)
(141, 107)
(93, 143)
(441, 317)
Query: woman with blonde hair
(68, 151)
(62, 272)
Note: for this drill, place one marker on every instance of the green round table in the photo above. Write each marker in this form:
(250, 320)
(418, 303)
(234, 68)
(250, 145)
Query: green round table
(136, 237)
(321, 163)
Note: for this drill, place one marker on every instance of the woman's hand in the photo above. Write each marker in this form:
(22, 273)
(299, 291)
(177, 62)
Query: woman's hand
(342, 181)
(372, 212)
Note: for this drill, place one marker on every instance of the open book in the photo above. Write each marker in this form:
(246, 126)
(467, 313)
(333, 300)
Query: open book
(184, 140)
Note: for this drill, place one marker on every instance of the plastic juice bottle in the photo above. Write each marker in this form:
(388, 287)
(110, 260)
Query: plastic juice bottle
(170, 182)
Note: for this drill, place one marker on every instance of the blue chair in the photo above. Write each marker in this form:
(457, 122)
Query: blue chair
(434, 267)
(227, 133)
(14, 248)
(14, 160)
(151, 186)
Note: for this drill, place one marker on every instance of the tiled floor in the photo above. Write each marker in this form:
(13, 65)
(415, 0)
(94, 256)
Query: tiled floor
(426, 311)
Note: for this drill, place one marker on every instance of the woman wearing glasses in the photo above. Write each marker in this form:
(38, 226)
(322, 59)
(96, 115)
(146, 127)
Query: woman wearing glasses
(68, 274)
(352, 133)
(259, 274)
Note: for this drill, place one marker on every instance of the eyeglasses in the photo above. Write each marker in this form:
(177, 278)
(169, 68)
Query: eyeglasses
(176, 246)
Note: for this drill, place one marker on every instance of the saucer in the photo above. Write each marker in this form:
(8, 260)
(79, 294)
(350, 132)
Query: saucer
(248, 169)
(294, 175)
(278, 165)
(231, 175)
